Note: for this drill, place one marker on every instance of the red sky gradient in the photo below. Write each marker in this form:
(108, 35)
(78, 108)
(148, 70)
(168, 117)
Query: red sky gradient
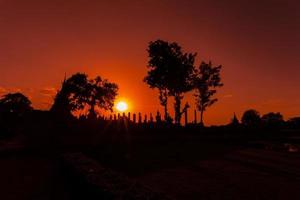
(257, 42)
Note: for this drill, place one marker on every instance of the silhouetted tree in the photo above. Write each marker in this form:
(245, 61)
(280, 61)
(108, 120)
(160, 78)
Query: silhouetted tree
(206, 79)
(101, 93)
(72, 95)
(77, 92)
(15, 104)
(158, 71)
(14, 108)
(163, 99)
(251, 118)
(170, 72)
(272, 119)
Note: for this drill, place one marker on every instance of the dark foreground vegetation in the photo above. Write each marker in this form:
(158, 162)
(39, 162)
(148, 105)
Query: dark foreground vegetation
(156, 158)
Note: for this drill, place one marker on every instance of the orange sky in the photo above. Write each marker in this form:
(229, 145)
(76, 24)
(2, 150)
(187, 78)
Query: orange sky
(257, 42)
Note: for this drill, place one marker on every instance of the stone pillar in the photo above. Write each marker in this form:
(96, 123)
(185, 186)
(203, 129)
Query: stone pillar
(128, 116)
(140, 118)
(151, 118)
(158, 117)
(134, 118)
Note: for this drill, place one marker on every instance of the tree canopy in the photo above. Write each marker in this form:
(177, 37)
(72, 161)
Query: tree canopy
(79, 92)
(15, 103)
(251, 118)
(170, 71)
(272, 119)
(100, 93)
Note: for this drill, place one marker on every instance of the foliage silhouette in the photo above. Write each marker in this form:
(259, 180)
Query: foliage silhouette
(71, 96)
(15, 103)
(251, 118)
(294, 122)
(100, 93)
(14, 109)
(78, 92)
(272, 119)
(170, 71)
(206, 79)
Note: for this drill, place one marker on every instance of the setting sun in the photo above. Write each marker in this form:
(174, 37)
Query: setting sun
(121, 106)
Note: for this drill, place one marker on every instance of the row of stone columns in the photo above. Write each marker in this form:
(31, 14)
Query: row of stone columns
(138, 118)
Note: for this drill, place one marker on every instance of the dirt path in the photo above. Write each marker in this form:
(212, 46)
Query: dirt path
(225, 178)
(28, 177)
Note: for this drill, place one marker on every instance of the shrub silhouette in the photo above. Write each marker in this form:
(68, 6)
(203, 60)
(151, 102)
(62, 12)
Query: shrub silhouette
(15, 104)
(14, 108)
(272, 119)
(251, 118)
(294, 122)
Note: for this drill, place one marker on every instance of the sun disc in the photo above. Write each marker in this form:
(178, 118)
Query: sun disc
(122, 106)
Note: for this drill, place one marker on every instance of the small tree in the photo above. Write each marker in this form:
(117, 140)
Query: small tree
(251, 118)
(101, 93)
(13, 110)
(206, 79)
(170, 72)
(71, 96)
(15, 104)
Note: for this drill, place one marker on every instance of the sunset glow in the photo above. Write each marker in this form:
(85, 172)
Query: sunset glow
(41, 41)
(121, 106)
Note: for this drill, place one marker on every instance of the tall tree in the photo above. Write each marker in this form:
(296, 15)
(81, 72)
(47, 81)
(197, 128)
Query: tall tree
(170, 72)
(158, 71)
(206, 79)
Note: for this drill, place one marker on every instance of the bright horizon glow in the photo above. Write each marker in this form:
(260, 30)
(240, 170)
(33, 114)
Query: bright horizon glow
(66, 44)
(121, 106)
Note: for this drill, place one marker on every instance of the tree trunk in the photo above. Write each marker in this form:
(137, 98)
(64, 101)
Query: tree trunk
(186, 117)
(164, 102)
(177, 106)
(201, 117)
(166, 112)
(92, 114)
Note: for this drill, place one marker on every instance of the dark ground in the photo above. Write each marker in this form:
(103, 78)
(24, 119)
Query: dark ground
(246, 174)
(185, 167)
(193, 167)
(31, 177)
